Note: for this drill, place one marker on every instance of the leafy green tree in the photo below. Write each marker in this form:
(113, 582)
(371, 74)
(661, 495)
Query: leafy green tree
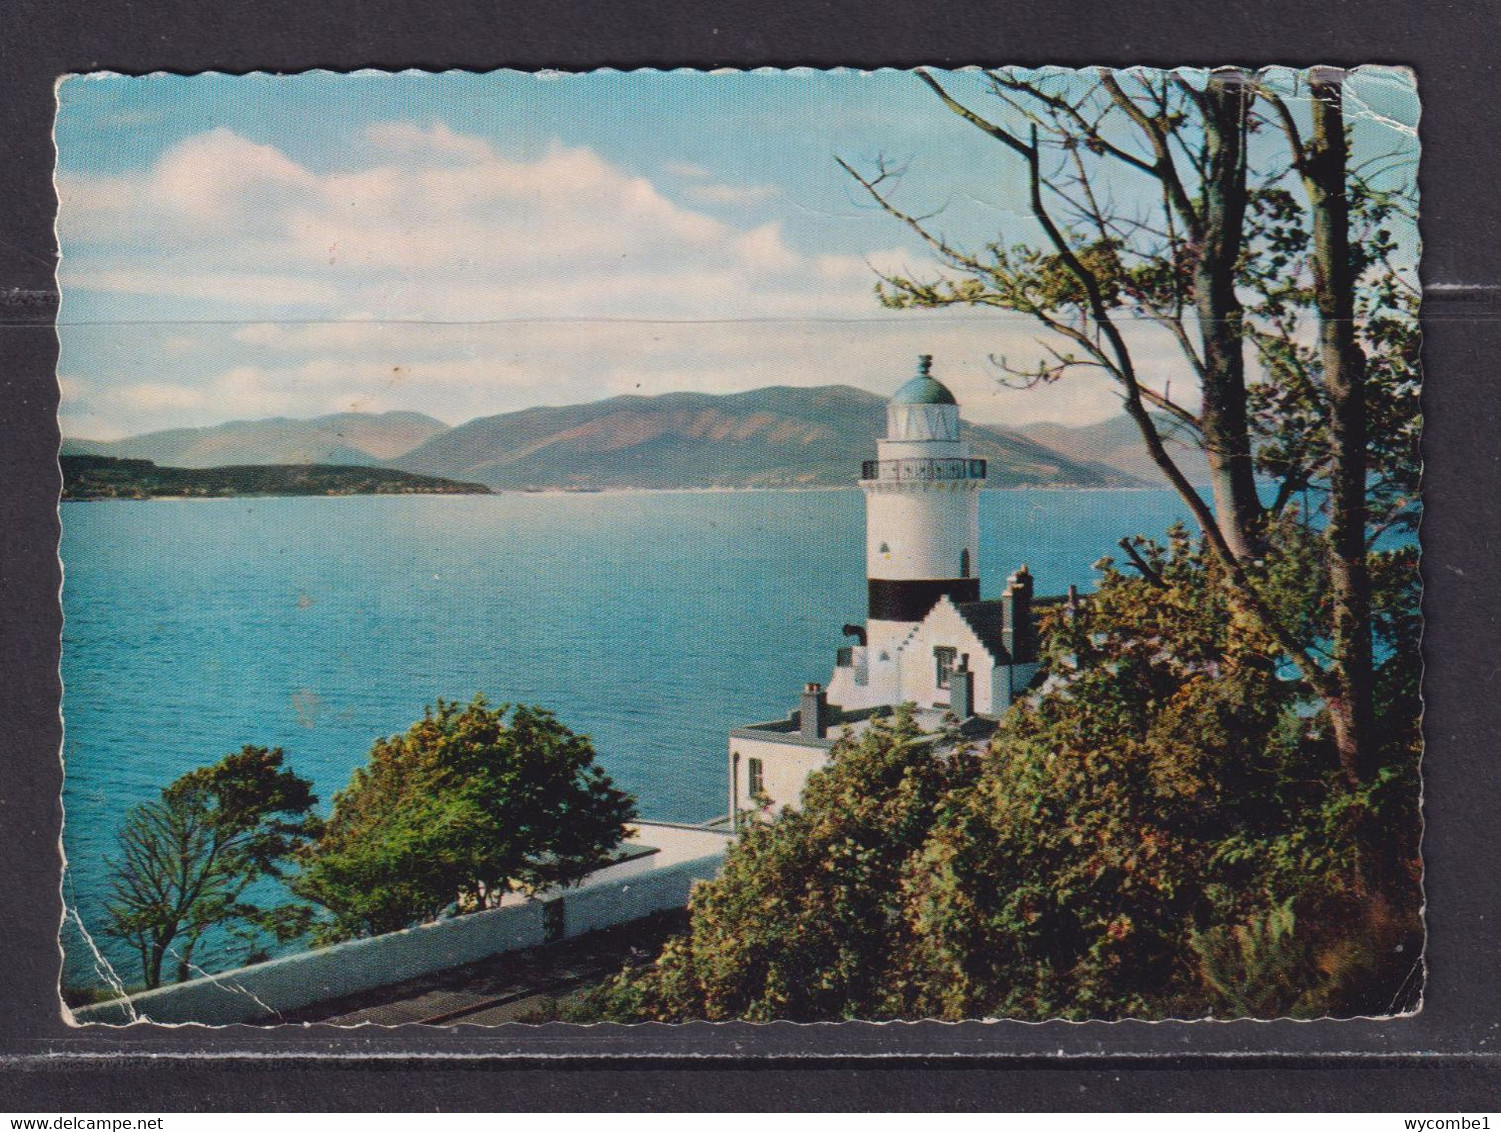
(189, 860)
(1167, 830)
(469, 800)
(805, 918)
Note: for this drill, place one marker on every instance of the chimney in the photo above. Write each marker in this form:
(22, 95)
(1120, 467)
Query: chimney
(962, 690)
(813, 715)
(1016, 605)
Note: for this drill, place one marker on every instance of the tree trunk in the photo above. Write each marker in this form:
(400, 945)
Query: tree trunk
(185, 963)
(145, 954)
(1227, 440)
(1343, 363)
(152, 965)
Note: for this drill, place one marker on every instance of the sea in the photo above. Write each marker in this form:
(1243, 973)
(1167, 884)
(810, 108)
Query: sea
(652, 622)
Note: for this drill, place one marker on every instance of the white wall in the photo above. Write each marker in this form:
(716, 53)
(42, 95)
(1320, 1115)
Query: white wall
(258, 993)
(605, 905)
(919, 671)
(885, 639)
(924, 528)
(1010, 685)
(846, 691)
(786, 767)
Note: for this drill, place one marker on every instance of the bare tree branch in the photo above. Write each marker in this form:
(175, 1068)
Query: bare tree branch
(1163, 168)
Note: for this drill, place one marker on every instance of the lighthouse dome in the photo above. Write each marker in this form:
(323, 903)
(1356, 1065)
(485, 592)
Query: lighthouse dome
(924, 389)
(923, 408)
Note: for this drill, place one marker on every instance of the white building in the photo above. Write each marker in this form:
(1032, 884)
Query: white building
(929, 639)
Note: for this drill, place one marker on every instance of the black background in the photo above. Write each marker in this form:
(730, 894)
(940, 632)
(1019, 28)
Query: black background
(1441, 1059)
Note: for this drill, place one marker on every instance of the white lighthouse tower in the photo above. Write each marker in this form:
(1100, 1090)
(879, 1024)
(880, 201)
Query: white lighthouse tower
(922, 527)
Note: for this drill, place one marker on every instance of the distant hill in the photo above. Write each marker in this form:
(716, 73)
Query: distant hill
(1117, 443)
(343, 438)
(774, 437)
(106, 477)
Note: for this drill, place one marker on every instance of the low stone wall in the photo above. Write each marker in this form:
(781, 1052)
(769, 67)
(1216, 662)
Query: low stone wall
(258, 994)
(604, 905)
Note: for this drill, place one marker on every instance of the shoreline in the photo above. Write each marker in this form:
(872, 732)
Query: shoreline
(552, 492)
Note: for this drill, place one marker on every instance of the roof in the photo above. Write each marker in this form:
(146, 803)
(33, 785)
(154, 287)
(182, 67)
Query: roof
(924, 389)
(988, 620)
(931, 722)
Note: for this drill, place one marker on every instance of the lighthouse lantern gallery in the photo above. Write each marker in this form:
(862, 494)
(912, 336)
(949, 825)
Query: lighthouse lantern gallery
(930, 639)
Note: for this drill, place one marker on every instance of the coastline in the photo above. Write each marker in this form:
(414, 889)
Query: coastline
(554, 492)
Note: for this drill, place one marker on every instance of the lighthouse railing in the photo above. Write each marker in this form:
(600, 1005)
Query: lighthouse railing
(923, 469)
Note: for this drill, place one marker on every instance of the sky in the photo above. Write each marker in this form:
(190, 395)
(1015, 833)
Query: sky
(462, 245)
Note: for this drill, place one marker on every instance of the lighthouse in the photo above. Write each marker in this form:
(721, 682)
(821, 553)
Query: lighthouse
(930, 639)
(922, 517)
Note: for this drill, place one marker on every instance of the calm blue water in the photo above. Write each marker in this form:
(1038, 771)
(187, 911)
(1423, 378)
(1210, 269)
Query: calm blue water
(652, 622)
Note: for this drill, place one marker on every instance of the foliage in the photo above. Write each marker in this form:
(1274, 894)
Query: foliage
(188, 860)
(1171, 791)
(466, 804)
(804, 919)
(1165, 831)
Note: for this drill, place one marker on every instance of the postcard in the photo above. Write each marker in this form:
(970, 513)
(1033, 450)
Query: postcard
(771, 545)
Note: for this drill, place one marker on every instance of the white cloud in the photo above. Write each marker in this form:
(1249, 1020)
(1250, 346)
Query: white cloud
(247, 288)
(72, 388)
(731, 194)
(357, 332)
(442, 275)
(243, 177)
(433, 225)
(407, 137)
(152, 395)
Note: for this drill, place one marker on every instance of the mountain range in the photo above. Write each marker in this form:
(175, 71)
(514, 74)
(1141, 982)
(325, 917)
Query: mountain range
(778, 436)
(774, 437)
(1117, 442)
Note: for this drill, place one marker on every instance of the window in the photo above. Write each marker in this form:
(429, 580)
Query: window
(944, 658)
(756, 784)
(964, 563)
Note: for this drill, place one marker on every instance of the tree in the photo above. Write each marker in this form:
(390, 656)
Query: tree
(1177, 268)
(1322, 165)
(188, 860)
(804, 920)
(466, 804)
(1227, 253)
(1163, 832)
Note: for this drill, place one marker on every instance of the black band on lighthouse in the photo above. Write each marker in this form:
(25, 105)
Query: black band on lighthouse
(911, 600)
